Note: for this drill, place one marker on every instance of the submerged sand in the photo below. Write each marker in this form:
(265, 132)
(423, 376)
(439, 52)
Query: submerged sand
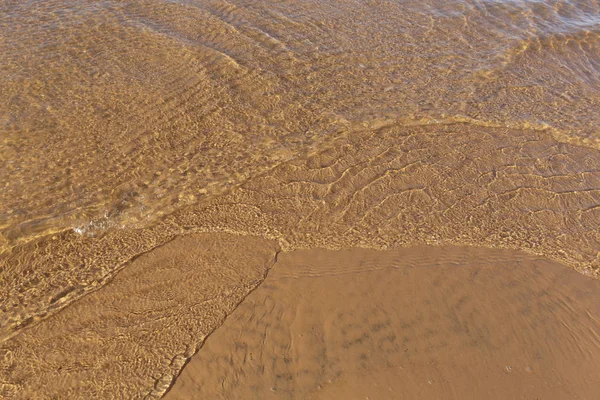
(419, 322)
(88, 317)
(130, 338)
(387, 187)
(159, 157)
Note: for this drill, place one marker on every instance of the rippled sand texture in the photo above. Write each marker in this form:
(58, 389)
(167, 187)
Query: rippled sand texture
(419, 323)
(128, 339)
(454, 184)
(125, 126)
(115, 113)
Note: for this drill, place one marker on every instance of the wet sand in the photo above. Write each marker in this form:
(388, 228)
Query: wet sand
(388, 188)
(419, 322)
(159, 157)
(392, 186)
(130, 338)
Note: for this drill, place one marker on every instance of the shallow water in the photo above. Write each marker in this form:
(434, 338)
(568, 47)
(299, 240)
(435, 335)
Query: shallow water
(332, 124)
(424, 322)
(113, 114)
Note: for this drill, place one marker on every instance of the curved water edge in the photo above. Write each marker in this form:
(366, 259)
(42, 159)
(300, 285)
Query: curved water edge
(214, 93)
(418, 322)
(128, 129)
(513, 315)
(123, 215)
(395, 186)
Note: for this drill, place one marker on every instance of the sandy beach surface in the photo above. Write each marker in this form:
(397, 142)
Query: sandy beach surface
(410, 323)
(416, 323)
(304, 199)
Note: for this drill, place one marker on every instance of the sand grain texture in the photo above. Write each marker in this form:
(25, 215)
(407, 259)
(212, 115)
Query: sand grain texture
(418, 323)
(156, 156)
(393, 186)
(122, 123)
(130, 338)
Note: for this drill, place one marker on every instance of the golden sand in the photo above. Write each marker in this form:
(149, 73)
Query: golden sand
(413, 323)
(130, 338)
(394, 186)
(417, 323)
(158, 157)
(388, 188)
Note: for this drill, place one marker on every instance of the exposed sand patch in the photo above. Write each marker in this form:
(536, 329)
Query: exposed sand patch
(128, 339)
(419, 323)
(389, 188)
